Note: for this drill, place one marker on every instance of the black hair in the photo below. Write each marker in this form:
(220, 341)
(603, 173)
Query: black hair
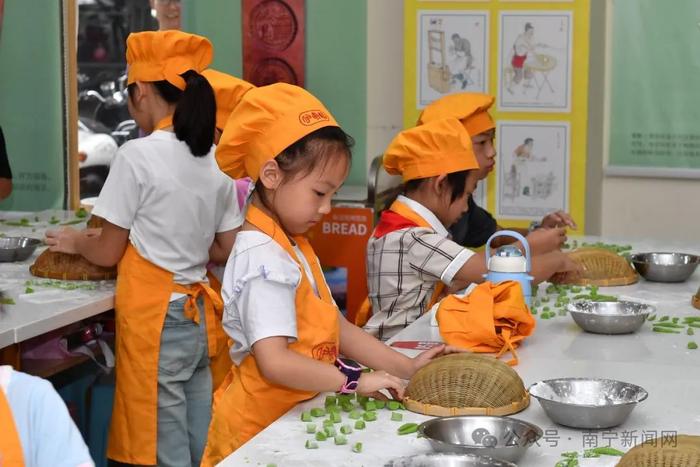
(194, 120)
(319, 147)
(457, 181)
(529, 140)
(528, 26)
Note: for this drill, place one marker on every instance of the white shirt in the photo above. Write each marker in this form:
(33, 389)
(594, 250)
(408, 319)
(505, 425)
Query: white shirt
(172, 202)
(46, 431)
(259, 291)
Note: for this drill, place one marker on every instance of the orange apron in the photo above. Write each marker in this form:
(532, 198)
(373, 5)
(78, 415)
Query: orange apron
(11, 454)
(220, 364)
(365, 312)
(142, 298)
(246, 403)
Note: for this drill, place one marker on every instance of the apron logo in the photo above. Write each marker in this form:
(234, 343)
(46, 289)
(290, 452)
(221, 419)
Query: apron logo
(325, 352)
(311, 117)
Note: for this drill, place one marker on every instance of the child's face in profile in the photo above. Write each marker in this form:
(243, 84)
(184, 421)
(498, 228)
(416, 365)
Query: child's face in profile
(485, 152)
(303, 200)
(455, 209)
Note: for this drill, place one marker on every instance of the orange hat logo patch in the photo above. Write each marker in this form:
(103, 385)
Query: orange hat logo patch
(311, 117)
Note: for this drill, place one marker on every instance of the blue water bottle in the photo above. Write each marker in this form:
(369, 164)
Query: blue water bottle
(509, 264)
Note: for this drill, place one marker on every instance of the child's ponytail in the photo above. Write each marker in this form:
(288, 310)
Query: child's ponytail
(194, 120)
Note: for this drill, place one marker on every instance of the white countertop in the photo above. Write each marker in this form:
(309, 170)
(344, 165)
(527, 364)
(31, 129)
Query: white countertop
(48, 308)
(660, 363)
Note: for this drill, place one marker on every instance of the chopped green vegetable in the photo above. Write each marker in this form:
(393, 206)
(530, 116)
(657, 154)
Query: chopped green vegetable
(306, 416)
(331, 400)
(379, 404)
(347, 407)
(369, 416)
(321, 436)
(311, 444)
(664, 318)
(668, 324)
(328, 422)
(81, 213)
(396, 417)
(362, 400)
(340, 440)
(360, 425)
(318, 412)
(355, 414)
(604, 451)
(393, 405)
(665, 330)
(335, 417)
(569, 454)
(73, 222)
(692, 345)
(675, 320)
(332, 409)
(370, 406)
(357, 447)
(407, 428)
(346, 429)
(311, 428)
(28, 290)
(329, 431)
(651, 318)
(6, 301)
(271, 465)
(690, 331)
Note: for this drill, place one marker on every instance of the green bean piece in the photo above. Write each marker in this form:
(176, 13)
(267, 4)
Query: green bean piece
(335, 416)
(331, 400)
(355, 414)
(369, 416)
(306, 416)
(675, 320)
(340, 439)
(311, 444)
(379, 404)
(690, 331)
(606, 451)
(317, 412)
(693, 325)
(346, 429)
(396, 417)
(665, 330)
(664, 318)
(348, 407)
(6, 301)
(362, 400)
(81, 213)
(393, 405)
(569, 454)
(692, 345)
(311, 428)
(327, 422)
(357, 447)
(329, 431)
(370, 406)
(360, 425)
(407, 428)
(651, 318)
(28, 290)
(668, 324)
(321, 436)
(332, 409)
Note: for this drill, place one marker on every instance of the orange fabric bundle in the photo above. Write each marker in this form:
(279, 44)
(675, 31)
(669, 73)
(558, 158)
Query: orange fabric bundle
(492, 318)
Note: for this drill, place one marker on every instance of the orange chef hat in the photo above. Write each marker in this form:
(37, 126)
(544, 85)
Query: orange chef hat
(165, 55)
(228, 91)
(439, 147)
(472, 109)
(267, 120)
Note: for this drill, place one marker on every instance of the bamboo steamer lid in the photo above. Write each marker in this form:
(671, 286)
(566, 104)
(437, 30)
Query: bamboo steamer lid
(601, 267)
(662, 453)
(466, 384)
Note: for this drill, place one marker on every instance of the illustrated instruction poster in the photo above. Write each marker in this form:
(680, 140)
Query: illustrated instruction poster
(534, 63)
(453, 53)
(533, 173)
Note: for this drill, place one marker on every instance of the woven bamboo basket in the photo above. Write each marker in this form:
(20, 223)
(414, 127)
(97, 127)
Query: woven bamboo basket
(466, 384)
(600, 267)
(696, 301)
(685, 453)
(62, 266)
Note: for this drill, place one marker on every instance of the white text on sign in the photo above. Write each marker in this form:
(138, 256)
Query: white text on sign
(344, 228)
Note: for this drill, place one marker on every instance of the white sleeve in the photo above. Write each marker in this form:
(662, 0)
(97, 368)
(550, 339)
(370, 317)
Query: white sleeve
(232, 217)
(121, 194)
(266, 308)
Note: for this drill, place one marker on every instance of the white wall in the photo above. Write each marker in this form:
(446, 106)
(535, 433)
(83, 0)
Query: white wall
(384, 74)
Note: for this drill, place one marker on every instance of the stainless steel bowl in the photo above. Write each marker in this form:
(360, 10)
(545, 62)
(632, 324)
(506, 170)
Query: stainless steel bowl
(621, 317)
(497, 437)
(587, 402)
(665, 267)
(447, 460)
(17, 248)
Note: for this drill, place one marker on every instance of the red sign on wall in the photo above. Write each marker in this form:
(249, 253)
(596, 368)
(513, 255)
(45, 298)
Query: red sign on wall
(273, 41)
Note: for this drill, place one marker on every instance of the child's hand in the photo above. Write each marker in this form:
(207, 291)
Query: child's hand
(423, 358)
(63, 240)
(558, 219)
(545, 240)
(370, 383)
